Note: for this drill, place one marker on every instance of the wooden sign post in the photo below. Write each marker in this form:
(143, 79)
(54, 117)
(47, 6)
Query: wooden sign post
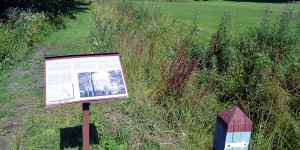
(85, 125)
(233, 130)
(84, 79)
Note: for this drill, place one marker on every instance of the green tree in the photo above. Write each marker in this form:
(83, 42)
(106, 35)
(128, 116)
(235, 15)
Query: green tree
(53, 8)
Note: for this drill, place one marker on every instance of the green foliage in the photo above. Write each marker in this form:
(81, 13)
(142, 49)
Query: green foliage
(266, 53)
(26, 30)
(253, 70)
(224, 52)
(104, 33)
(53, 9)
(152, 145)
(112, 145)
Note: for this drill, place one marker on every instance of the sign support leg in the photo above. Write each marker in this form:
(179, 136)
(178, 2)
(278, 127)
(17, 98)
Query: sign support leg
(85, 125)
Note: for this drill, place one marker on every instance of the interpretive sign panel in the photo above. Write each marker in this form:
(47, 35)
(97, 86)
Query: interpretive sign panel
(84, 78)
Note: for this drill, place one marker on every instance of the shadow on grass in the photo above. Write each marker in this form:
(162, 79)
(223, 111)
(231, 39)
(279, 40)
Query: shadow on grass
(71, 137)
(82, 6)
(77, 7)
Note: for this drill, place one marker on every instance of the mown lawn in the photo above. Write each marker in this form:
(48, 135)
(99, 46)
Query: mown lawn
(208, 14)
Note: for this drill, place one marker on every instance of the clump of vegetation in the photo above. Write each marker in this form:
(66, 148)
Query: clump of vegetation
(53, 9)
(272, 48)
(24, 24)
(22, 32)
(262, 57)
(256, 70)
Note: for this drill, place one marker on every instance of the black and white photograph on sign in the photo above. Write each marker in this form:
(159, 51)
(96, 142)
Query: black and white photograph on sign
(102, 83)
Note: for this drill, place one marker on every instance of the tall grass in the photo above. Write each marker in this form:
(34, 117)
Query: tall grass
(179, 83)
(266, 52)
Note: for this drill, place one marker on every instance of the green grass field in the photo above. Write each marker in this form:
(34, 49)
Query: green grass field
(208, 14)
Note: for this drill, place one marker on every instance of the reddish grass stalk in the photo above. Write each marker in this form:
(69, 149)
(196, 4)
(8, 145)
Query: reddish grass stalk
(214, 43)
(178, 74)
(14, 21)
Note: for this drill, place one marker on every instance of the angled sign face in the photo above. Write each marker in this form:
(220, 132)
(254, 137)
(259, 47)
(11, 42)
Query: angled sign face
(83, 79)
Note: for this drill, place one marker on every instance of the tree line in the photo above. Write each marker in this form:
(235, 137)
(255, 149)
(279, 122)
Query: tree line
(52, 8)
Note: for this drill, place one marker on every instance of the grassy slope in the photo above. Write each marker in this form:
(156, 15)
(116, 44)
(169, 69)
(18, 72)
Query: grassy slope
(208, 13)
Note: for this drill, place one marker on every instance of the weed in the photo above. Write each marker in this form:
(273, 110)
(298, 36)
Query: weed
(177, 75)
(268, 53)
(152, 145)
(112, 145)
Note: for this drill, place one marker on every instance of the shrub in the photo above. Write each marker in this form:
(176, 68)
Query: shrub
(53, 9)
(258, 72)
(268, 55)
(24, 30)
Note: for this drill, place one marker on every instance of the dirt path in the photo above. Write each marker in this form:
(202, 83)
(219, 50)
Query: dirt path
(26, 80)
(27, 75)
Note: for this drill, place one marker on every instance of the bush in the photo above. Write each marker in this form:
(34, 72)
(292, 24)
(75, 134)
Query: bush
(53, 9)
(263, 59)
(21, 35)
